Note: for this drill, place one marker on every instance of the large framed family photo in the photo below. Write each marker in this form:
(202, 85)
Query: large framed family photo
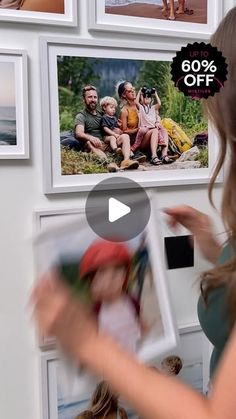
(196, 19)
(50, 12)
(14, 122)
(76, 72)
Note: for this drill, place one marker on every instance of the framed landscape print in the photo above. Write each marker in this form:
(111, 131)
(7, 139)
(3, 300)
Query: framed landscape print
(14, 123)
(69, 66)
(50, 12)
(197, 20)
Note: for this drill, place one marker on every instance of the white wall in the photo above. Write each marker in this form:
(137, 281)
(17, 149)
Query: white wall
(20, 194)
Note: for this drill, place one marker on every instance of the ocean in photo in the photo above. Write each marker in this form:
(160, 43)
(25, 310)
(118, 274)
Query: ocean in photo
(7, 125)
(126, 2)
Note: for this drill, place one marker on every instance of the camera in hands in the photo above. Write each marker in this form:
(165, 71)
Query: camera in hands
(148, 91)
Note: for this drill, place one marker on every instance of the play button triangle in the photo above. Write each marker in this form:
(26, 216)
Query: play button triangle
(117, 210)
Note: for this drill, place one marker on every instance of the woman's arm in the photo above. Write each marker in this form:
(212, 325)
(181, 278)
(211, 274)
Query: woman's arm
(154, 395)
(158, 101)
(137, 100)
(150, 393)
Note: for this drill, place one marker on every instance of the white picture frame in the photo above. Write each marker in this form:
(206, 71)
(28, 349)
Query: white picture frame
(62, 398)
(190, 351)
(68, 18)
(54, 181)
(99, 20)
(14, 109)
(52, 221)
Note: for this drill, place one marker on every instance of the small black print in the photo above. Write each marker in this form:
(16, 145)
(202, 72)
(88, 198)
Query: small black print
(179, 251)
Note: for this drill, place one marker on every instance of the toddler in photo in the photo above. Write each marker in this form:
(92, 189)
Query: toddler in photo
(110, 124)
(149, 119)
(112, 134)
(106, 266)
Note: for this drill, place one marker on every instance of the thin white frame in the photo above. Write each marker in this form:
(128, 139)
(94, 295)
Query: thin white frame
(54, 182)
(69, 18)
(21, 149)
(170, 338)
(100, 21)
(48, 385)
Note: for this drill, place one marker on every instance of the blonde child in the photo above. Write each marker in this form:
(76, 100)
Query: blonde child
(112, 134)
(109, 123)
(103, 405)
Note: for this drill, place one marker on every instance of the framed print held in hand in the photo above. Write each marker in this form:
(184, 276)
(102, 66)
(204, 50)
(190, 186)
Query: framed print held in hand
(67, 244)
(198, 20)
(49, 12)
(14, 119)
(69, 66)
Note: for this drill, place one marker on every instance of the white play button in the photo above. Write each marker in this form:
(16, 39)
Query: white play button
(117, 210)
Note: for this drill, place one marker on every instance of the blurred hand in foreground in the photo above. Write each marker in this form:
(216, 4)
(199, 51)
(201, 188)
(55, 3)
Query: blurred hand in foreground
(200, 225)
(59, 313)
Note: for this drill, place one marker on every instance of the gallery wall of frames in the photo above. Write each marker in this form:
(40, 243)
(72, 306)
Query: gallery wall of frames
(48, 52)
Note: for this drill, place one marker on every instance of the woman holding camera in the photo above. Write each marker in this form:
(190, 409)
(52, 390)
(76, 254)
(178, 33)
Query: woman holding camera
(130, 123)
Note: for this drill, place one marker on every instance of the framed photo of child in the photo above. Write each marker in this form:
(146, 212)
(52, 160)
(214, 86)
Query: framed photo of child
(79, 395)
(123, 283)
(84, 397)
(114, 111)
(49, 12)
(191, 19)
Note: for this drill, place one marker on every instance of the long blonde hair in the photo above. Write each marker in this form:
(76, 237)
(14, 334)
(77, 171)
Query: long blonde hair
(103, 401)
(220, 109)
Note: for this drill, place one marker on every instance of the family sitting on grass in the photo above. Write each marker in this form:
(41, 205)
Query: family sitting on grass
(135, 136)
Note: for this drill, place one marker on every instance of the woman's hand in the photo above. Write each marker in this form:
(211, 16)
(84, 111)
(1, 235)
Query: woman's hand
(59, 313)
(200, 226)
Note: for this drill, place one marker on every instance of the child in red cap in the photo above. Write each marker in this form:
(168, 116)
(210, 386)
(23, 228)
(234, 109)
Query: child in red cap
(106, 265)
